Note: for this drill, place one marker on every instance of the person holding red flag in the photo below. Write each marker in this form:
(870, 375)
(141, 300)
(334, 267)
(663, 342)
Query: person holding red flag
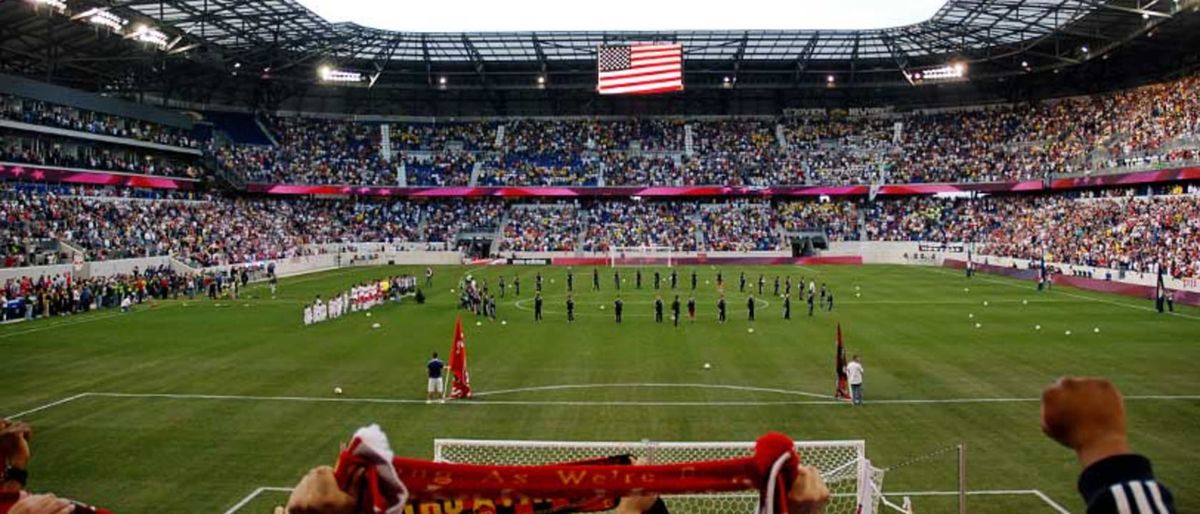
(460, 385)
(842, 389)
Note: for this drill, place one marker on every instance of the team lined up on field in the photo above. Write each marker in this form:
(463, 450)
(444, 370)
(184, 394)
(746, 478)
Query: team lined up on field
(477, 296)
(360, 297)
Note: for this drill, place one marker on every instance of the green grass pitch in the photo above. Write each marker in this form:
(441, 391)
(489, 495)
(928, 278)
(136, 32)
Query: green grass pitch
(915, 328)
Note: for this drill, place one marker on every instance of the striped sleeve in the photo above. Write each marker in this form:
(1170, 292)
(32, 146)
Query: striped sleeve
(1124, 484)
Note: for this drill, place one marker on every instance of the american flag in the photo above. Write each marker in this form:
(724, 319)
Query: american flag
(639, 68)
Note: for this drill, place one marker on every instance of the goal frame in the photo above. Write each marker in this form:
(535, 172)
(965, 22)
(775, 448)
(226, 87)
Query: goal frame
(642, 255)
(867, 479)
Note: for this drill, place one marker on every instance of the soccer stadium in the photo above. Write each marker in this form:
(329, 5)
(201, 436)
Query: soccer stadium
(467, 257)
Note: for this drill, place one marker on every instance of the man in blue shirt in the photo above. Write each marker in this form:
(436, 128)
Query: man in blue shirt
(434, 389)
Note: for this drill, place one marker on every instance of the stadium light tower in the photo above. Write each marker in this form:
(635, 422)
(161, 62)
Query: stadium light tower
(327, 73)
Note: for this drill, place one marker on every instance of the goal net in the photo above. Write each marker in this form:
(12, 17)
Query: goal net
(843, 464)
(641, 256)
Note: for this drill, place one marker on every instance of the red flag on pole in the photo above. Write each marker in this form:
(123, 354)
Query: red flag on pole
(460, 387)
(843, 384)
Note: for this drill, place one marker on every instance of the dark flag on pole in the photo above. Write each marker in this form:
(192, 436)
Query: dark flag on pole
(843, 384)
(1160, 290)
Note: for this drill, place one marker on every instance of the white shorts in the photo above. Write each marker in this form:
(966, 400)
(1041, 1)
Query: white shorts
(435, 385)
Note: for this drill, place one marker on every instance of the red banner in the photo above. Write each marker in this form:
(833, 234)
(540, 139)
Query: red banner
(460, 387)
(843, 385)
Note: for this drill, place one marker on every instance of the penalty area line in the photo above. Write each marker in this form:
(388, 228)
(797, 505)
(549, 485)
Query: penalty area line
(254, 494)
(585, 403)
(992, 492)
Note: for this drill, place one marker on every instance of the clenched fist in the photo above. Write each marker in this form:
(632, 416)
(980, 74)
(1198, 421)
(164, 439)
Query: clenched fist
(808, 494)
(318, 493)
(1086, 415)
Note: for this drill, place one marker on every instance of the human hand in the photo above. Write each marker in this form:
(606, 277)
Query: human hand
(318, 493)
(636, 503)
(14, 443)
(42, 504)
(1086, 415)
(808, 494)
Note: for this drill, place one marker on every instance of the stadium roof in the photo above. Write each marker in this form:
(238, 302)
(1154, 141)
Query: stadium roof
(621, 15)
(958, 27)
(254, 51)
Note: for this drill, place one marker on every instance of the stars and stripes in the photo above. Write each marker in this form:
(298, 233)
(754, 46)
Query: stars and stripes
(639, 68)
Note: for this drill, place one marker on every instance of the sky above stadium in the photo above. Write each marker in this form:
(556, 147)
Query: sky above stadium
(621, 15)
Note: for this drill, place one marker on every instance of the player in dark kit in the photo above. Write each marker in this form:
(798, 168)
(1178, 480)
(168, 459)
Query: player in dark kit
(657, 279)
(742, 282)
(618, 306)
(692, 309)
(787, 307)
(517, 285)
(721, 309)
(675, 310)
(810, 303)
(829, 301)
(787, 286)
(750, 307)
(638, 280)
(761, 282)
(658, 309)
(570, 280)
(674, 279)
(617, 280)
(823, 290)
(720, 280)
(537, 282)
(776, 285)
(570, 308)
(503, 286)
(537, 307)
(693, 280)
(595, 279)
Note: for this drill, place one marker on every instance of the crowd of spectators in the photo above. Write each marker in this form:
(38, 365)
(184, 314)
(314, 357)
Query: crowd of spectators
(444, 220)
(740, 226)
(1113, 228)
(436, 137)
(840, 220)
(28, 148)
(312, 151)
(37, 112)
(446, 168)
(614, 223)
(541, 228)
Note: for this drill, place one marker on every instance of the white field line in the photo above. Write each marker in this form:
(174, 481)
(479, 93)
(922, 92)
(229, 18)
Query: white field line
(47, 406)
(568, 403)
(254, 494)
(995, 492)
(1053, 290)
(79, 320)
(652, 385)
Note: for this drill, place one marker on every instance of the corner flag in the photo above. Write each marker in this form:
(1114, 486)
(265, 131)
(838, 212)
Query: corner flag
(460, 385)
(843, 385)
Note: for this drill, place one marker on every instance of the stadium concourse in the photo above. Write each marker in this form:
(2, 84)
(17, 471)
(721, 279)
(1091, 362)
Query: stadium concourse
(238, 234)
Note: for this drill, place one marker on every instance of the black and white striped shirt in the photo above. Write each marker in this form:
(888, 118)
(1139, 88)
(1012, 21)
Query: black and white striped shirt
(1124, 484)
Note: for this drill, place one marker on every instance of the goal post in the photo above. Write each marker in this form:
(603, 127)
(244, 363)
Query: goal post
(844, 466)
(623, 256)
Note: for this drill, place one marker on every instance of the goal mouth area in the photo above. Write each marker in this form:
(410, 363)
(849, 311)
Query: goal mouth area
(843, 465)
